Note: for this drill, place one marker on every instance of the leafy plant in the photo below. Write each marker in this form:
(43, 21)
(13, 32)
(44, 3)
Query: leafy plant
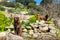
(2, 8)
(49, 21)
(57, 32)
(19, 7)
(25, 23)
(32, 18)
(22, 22)
(8, 4)
(4, 21)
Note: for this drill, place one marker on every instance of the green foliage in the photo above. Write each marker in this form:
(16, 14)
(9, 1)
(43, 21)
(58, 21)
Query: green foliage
(25, 23)
(22, 22)
(4, 21)
(57, 32)
(32, 18)
(32, 5)
(19, 7)
(2, 8)
(25, 2)
(46, 1)
(49, 21)
(8, 4)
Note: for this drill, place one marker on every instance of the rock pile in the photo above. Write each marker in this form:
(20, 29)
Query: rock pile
(47, 36)
(40, 30)
(43, 26)
(35, 29)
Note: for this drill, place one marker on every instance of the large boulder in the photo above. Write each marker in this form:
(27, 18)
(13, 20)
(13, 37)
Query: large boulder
(2, 35)
(9, 36)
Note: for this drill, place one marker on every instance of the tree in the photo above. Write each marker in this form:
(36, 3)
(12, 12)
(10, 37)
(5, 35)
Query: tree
(46, 1)
(25, 2)
(31, 5)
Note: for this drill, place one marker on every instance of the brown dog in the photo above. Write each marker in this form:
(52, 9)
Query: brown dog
(17, 26)
(45, 17)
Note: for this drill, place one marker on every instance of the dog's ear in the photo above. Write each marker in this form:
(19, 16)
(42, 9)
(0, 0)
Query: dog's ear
(46, 16)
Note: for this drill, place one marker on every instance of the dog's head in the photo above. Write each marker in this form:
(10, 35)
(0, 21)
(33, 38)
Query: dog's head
(16, 19)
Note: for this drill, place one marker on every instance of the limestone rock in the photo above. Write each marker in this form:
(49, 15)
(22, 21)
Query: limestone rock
(37, 21)
(35, 30)
(44, 29)
(28, 27)
(24, 30)
(2, 35)
(42, 22)
(24, 34)
(10, 36)
(35, 35)
(53, 32)
(51, 27)
(31, 32)
(47, 36)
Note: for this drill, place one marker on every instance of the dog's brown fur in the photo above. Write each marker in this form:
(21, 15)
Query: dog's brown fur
(17, 26)
(42, 17)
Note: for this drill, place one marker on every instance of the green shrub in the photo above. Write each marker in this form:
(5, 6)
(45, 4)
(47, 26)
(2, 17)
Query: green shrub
(20, 7)
(4, 21)
(57, 32)
(22, 22)
(32, 5)
(49, 21)
(2, 8)
(32, 19)
(8, 4)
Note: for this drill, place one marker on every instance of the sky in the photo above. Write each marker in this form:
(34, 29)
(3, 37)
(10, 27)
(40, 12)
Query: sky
(38, 1)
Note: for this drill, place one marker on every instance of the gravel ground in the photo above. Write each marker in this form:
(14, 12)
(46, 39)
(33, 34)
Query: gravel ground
(42, 36)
